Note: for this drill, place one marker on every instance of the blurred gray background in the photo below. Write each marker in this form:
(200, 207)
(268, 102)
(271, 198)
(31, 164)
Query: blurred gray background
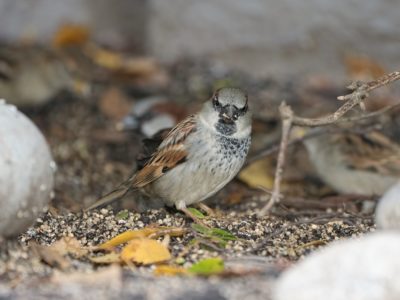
(283, 38)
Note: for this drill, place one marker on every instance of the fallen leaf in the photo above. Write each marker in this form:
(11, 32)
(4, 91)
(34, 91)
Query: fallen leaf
(50, 256)
(196, 213)
(361, 67)
(234, 197)
(109, 258)
(54, 254)
(150, 231)
(69, 245)
(214, 232)
(223, 234)
(114, 104)
(126, 237)
(208, 266)
(70, 35)
(117, 62)
(257, 174)
(216, 235)
(200, 228)
(145, 251)
(166, 270)
(122, 215)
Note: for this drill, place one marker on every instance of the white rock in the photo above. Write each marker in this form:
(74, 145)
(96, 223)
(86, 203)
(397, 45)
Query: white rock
(387, 215)
(367, 268)
(26, 171)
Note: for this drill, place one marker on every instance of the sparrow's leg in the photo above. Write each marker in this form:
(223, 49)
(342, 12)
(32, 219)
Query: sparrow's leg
(210, 212)
(182, 207)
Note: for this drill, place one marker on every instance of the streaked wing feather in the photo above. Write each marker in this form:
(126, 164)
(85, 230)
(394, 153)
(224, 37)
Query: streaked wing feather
(150, 145)
(372, 152)
(169, 154)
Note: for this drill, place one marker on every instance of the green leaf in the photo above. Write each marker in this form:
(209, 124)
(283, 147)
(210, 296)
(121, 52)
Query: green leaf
(217, 235)
(122, 215)
(223, 234)
(200, 228)
(208, 266)
(196, 213)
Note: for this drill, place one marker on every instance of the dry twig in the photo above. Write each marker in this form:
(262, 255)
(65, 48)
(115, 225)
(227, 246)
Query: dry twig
(357, 97)
(359, 94)
(287, 119)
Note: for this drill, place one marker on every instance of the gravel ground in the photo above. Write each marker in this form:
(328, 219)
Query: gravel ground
(93, 158)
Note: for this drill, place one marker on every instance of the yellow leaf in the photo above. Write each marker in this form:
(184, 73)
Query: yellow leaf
(165, 270)
(70, 35)
(126, 237)
(117, 62)
(108, 258)
(145, 251)
(153, 232)
(257, 174)
(107, 59)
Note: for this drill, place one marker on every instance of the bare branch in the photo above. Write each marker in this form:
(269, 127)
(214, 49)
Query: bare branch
(287, 118)
(359, 94)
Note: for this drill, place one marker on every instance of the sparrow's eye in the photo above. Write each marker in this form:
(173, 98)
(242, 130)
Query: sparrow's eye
(216, 102)
(244, 109)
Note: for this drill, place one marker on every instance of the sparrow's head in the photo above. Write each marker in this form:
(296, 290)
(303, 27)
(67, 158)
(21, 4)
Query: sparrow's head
(228, 112)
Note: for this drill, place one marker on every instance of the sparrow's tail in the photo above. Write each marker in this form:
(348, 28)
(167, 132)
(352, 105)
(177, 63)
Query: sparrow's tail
(118, 193)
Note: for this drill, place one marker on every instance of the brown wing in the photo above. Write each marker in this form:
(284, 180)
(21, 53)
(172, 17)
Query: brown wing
(372, 151)
(150, 146)
(168, 155)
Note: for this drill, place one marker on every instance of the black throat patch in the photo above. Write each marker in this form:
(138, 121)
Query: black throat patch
(225, 128)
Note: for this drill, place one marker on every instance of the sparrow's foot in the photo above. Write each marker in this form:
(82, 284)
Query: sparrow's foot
(192, 216)
(209, 211)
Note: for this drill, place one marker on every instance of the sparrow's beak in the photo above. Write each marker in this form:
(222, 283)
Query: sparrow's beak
(227, 114)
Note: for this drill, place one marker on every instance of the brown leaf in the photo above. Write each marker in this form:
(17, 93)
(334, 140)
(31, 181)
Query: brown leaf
(55, 254)
(145, 251)
(360, 67)
(234, 197)
(114, 104)
(69, 245)
(50, 256)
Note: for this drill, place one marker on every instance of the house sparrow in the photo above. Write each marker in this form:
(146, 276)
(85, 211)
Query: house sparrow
(366, 164)
(197, 157)
(30, 75)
